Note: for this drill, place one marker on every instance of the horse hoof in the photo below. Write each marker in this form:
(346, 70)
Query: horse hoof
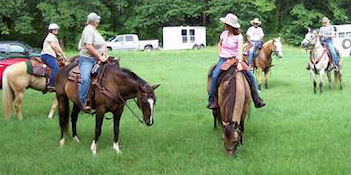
(62, 142)
(75, 138)
(93, 148)
(116, 148)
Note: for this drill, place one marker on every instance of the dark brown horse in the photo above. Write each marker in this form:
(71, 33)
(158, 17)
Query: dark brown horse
(121, 85)
(234, 99)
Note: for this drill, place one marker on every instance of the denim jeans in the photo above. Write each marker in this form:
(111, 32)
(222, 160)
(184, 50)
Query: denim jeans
(330, 45)
(214, 78)
(51, 62)
(85, 66)
(252, 50)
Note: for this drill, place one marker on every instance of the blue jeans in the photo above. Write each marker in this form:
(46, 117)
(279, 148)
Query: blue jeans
(252, 79)
(85, 65)
(252, 50)
(214, 78)
(329, 43)
(51, 62)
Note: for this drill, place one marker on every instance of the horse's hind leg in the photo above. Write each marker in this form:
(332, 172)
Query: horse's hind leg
(329, 80)
(259, 71)
(63, 108)
(74, 117)
(53, 108)
(18, 104)
(338, 79)
(98, 123)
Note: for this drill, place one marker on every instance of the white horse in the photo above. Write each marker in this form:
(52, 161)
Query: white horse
(319, 61)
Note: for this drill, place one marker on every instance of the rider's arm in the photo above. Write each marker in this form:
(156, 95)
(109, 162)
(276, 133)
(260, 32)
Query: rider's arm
(240, 50)
(56, 47)
(219, 46)
(94, 52)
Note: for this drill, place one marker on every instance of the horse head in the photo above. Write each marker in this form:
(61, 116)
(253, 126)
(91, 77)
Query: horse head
(310, 38)
(232, 136)
(146, 100)
(278, 48)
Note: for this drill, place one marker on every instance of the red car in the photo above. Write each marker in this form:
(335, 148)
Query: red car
(7, 62)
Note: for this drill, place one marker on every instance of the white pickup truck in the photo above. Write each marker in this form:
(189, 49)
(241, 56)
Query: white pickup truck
(130, 42)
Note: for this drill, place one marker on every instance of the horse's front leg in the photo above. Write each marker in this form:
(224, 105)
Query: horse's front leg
(74, 118)
(116, 119)
(329, 80)
(314, 82)
(321, 81)
(100, 112)
(266, 75)
(259, 71)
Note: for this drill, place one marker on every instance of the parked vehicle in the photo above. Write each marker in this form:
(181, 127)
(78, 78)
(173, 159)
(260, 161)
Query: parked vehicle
(130, 42)
(342, 39)
(184, 37)
(17, 49)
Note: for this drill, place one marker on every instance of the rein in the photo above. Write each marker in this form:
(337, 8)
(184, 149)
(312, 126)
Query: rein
(319, 59)
(108, 94)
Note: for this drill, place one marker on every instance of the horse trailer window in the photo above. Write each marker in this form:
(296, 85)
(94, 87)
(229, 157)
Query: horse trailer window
(2, 48)
(348, 34)
(342, 35)
(192, 35)
(16, 49)
(184, 36)
(129, 38)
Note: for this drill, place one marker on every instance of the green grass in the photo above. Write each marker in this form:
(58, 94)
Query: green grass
(296, 133)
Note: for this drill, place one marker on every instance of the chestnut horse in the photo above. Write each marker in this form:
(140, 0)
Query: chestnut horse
(116, 86)
(263, 62)
(234, 99)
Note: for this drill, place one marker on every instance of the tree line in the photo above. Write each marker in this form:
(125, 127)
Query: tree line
(27, 20)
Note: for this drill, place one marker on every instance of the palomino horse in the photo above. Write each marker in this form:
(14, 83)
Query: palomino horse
(320, 62)
(116, 86)
(263, 62)
(15, 81)
(234, 99)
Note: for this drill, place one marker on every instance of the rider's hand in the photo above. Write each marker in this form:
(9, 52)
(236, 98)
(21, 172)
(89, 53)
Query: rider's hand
(102, 58)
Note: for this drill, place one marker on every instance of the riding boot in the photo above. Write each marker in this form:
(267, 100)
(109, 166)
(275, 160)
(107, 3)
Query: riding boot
(258, 102)
(212, 103)
(87, 106)
(50, 89)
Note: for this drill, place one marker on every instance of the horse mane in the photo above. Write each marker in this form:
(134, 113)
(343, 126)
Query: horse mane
(133, 76)
(229, 95)
(268, 42)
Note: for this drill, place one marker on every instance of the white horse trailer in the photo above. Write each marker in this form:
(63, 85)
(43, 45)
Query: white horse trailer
(184, 37)
(342, 40)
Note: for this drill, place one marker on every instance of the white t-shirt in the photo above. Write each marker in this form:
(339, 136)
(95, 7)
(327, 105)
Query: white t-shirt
(327, 30)
(93, 37)
(254, 33)
(47, 49)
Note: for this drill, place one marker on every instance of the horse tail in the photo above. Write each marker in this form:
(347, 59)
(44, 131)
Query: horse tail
(7, 94)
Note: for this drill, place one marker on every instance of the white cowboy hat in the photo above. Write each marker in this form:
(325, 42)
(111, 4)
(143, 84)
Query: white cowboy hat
(231, 20)
(255, 21)
(325, 19)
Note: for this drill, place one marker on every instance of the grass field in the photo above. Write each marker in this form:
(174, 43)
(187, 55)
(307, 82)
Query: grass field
(296, 133)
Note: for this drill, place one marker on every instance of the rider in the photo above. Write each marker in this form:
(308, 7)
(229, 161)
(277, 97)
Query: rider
(255, 37)
(230, 45)
(326, 34)
(92, 48)
(51, 51)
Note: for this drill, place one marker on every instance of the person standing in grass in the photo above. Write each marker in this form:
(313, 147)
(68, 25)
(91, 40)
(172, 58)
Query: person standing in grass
(51, 51)
(230, 46)
(93, 49)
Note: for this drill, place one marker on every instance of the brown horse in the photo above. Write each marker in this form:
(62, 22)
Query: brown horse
(15, 81)
(234, 99)
(263, 62)
(121, 85)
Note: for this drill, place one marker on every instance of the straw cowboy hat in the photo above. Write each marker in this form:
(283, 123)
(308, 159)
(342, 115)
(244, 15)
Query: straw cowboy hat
(255, 21)
(231, 20)
(325, 19)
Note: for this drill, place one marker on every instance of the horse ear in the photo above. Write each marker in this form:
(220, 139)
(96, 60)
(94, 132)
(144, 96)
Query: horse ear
(309, 29)
(278, 38)
(155, 86)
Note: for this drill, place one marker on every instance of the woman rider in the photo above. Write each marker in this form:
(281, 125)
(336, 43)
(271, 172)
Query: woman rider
(51, 51)
(230, 46)
(326, 34)
(92, 48)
